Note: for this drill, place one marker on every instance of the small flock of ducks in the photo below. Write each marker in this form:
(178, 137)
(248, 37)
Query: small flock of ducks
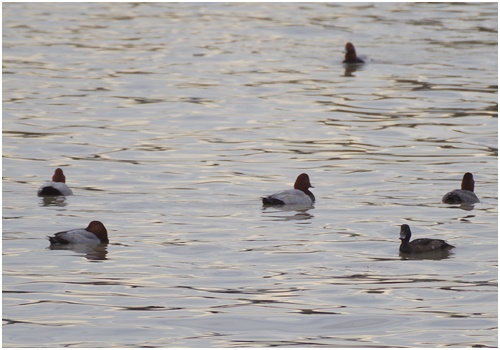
(96, 233)
(300, 195)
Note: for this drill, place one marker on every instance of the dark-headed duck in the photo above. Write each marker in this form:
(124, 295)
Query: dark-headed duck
(300, 194)
(350, 54)
(56, 187)
(420, 245)
(465, 195)
(95, 233)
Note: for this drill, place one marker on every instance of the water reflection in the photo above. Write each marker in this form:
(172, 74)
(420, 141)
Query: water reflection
(58, 201)
(301, 212)
(435, 255)
(350, 68)
(464, 206)
(91, 252)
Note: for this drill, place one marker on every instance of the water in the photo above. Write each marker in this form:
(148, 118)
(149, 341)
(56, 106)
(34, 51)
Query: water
(172, 120)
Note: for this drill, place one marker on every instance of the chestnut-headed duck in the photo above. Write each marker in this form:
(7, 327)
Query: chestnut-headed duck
(56, 187)
(465, 195)
(95, 233)
(350, 54)
(299, 195)
(420, 245)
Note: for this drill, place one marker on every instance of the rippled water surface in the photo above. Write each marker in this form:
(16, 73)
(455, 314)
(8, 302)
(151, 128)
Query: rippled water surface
(170, 122)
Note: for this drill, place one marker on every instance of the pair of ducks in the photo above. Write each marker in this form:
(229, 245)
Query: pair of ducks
(300, 195)
(94, 233)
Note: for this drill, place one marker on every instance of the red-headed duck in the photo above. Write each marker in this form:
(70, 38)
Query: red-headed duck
(465, 195)
(350, 54)
(95, 233)
(56, 187)
(420, 245)
(299, 195)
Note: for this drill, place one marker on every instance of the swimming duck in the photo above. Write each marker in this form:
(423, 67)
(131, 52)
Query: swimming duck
(56, 187)
(420, 245)
(350, 54)
(465, 195)
(300, 194)
(95, 233)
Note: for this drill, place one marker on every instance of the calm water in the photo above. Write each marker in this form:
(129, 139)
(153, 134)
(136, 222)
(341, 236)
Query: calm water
(172, 120)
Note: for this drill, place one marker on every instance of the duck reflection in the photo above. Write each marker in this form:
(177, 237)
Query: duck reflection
(57, 201)
(464, 206)
(289, 212)
(91, 252)
(351, 68)
(435, 255)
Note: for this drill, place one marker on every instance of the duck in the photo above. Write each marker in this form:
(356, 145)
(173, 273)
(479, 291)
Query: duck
(94, 233)
(300, 194)
(465, 195)
(56, 187)
(350, 54)
(420, 245)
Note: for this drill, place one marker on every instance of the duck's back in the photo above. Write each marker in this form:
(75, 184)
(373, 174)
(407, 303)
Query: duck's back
(292, 196)
(52, 188)
(460, 197)
(354, 60)
(421, 245)
(77, 236)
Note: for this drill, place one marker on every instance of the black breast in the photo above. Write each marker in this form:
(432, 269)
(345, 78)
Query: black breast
(50, 191)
